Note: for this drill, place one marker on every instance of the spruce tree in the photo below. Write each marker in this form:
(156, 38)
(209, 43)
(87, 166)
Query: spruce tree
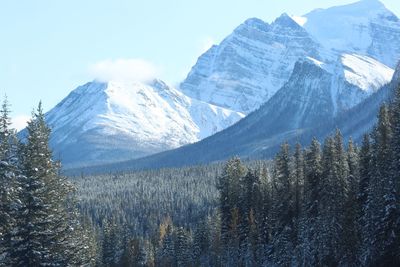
(309, 227)
(283, 208)
(378, 226)
(229, 187)
(44, 227)
(329, 221)
(201, 243)
(298, 180)
(248, 198)
(264, 217)
(168, 248)
(351, 239)
(9, 202)
(182, 244)
(392, 198)
(365, 170)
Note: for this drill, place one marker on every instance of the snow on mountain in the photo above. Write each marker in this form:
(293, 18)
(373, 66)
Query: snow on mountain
(291, 115)
(366, 73)
(105, 122)
(366, 27)
(297, 71)
(250, 65)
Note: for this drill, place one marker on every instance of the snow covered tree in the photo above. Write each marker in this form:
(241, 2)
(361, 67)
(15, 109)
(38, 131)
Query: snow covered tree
(283, 208)
(298, 180)
(182, 251)
(365, 170)
(9, 202)
(112, 247)
(43, 235)
(201, 243)
(351, 238)
(309, 223)
(248, 208)
(133, 254)
(379, 201)
(167, 257)
(229, 187)
(264, 217)
(392, 189)
(329, 220)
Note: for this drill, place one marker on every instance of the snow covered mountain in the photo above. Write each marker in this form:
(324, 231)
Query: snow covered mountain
(366, 27)
(250, 65)
(107, 122)
(260, 134)
(288, 77)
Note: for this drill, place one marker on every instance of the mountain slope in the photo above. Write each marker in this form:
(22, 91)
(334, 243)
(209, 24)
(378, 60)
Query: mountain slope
(108, 122)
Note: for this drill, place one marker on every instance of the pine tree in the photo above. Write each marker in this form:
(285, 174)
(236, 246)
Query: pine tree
(229, 187)
(168, 248)
(365, 166)
(182, 248)
(309, 229)
(392, 197)
(264, 217)
(44, 230)
(351, 239)
(133, 255)
(9, 202)
(112, 247)
(298, 179)
(201, 243)
(378, 225)
(284, 208)
(328, 203)
(249, 197)
(81, 248)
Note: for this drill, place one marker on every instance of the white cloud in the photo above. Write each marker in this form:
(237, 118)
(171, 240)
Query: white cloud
(19, 122)
(123, 70)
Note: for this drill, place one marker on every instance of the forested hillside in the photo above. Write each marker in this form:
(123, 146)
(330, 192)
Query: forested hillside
(331, 204)
(326, 204)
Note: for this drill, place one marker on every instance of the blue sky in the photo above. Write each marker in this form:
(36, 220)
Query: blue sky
(48, 48)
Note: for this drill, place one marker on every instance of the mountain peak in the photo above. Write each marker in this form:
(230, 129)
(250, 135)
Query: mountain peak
(370, 2)
(363, 8)
(362, 27)
(256, 23)
(369, 6)
(286, 21)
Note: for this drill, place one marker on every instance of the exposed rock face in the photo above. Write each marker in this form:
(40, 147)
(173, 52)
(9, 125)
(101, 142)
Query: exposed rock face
(250, 65)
